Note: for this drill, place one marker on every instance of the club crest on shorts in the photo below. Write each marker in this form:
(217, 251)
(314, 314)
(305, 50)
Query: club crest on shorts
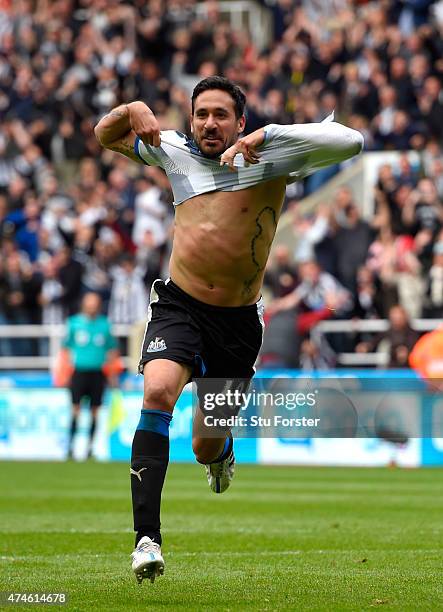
(156, 345)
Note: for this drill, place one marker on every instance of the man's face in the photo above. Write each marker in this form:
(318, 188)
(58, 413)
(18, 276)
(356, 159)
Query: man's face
(91, 305)
(214, 124)
(310, 272)
(397, 318)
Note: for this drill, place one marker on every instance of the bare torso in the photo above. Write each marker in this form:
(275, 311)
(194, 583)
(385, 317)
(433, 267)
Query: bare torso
(222, 241)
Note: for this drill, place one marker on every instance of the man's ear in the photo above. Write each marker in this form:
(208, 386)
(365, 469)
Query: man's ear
(190, 122)
(241, 124)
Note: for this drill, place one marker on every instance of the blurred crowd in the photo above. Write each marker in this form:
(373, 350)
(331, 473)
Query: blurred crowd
(75, 218)
(344, 267)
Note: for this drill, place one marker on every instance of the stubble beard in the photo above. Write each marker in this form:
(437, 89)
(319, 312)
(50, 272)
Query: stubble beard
(213, 154)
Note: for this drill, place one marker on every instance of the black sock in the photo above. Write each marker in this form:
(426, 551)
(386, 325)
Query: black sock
(226, 451)
(91, 432)
(72, 431)
(227, 448)
(149, 462)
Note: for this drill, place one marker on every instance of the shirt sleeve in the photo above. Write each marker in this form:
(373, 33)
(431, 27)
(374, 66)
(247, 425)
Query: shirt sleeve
(67, 340)
(149, 155)
(300, 149)
(111, 342)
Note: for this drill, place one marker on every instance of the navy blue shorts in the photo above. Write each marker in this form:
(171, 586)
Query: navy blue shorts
(215, 341)
(88, 383)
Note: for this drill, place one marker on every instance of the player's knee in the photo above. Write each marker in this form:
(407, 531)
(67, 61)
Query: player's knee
(158, 396)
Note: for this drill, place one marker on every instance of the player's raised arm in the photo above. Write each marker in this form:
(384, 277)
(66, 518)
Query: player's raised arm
(119, 129)
(298, 148)
(324, 143)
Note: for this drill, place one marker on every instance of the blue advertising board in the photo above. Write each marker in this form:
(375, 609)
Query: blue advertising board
(34, 421)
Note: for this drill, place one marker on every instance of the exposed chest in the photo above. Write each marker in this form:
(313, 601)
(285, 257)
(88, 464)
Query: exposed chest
(234, 210)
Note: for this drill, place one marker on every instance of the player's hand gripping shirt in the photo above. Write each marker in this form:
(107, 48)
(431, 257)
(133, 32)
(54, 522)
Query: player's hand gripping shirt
(294, 151)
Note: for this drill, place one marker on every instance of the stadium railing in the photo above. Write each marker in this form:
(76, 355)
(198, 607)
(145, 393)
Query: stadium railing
(374, 359)
(55, 333)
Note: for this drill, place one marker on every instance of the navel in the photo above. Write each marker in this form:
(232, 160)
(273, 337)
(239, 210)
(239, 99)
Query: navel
(211, 286)
(245, 209)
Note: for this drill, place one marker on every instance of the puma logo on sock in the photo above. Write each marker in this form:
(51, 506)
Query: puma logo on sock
(138, 474)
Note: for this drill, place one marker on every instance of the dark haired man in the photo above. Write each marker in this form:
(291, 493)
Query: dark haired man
(207, 318)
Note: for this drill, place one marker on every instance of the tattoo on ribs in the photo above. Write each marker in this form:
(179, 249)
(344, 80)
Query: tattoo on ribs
(267, 213)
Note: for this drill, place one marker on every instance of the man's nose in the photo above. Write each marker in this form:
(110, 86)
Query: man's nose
(210, 122)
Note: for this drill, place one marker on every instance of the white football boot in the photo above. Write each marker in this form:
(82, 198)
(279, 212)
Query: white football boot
(221, 473)
(147, 560)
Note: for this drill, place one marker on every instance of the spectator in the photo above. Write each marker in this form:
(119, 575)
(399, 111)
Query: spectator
(433, 306)
(129, 299)
(19, 291)
(351, 240)
(25, 224)
(392, 194)
(414, 14)
(430, 103)
(150, 213)
(316, 354)
(281, 275)
(397, 268)
(51, 294)
(49, 300)
(423, 209)
(384, 121)
(70, 275)
(315, 238)
(97, 272)
(67, 148)
(281, 341)
(319, 295)
(400, 339)
(407, 173)
(5, 343)
(401, 82)
(368, 304)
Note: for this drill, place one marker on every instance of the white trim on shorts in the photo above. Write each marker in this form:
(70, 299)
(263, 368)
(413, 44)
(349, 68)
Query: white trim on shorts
(260, 313)
(153, 299)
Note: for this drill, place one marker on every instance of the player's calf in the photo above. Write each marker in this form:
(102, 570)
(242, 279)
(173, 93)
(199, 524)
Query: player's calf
(149, 462)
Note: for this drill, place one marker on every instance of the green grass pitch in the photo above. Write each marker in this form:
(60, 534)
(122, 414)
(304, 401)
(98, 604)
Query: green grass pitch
(282, 538)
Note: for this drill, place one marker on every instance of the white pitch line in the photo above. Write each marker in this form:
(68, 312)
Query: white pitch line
(262, 553)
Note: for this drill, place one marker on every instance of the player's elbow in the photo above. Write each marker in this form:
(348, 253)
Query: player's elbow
(357, 141)
(352, 141)
(348, 142)
(337, 143)
(99, 134)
